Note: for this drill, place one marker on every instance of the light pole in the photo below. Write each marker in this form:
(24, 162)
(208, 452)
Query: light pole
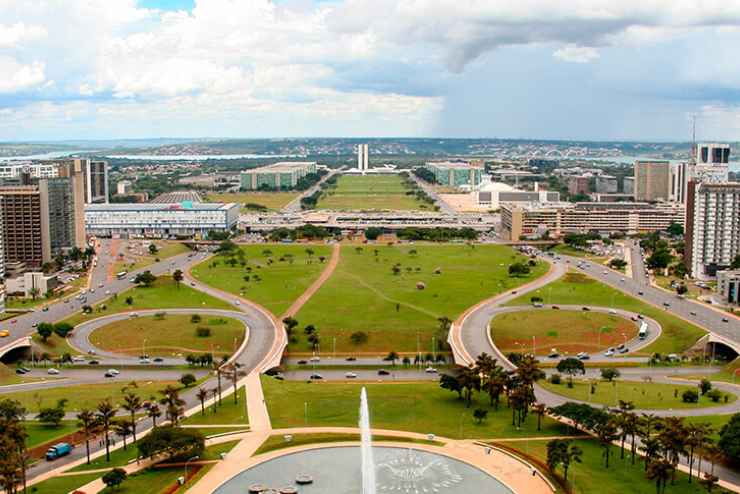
(305, 412)
(196, 457)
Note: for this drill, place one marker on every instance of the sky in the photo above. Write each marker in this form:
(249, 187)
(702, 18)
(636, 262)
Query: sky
(567, 69)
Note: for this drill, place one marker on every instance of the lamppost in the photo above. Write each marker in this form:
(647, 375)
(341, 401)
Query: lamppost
(196, 457)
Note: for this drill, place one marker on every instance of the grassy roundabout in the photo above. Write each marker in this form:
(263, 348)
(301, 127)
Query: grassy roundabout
(364, 295)
(379, 192)
(415, 407)
(270, 200)
(578, 289)
(566, 330)
(273, 275)
(170, 334)
(653, 396)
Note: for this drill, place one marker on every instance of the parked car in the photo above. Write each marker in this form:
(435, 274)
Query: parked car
(692, 313)
(553, 355)
(45, 309)
(724, 319)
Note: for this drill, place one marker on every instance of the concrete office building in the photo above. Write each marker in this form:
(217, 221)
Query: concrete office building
(94, 174)
(26, 235)
(160, 220)
(712, 237)
(711, 163)
(14, 169)
(456, 173)
(31, 284)
(606, 184)
(652, 181)
(628, 185)
(124, 187)
(362, 158)
(728, 286)
(283, 175)
(579, 185)
(492, 194)
(532, 220)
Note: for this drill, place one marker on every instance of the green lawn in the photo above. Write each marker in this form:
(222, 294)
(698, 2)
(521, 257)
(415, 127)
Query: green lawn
(39, 433)
(416, 407)
(371, 192)
(118, 458)
(271, 200)
(85, 396)
(621, 477)
(62, 485)
(364, 295)
(227, 413)
(167, 249)
(277, 441)
(214, 431)
(149, 481)
(655, 396)
(273, 275)
(163, 294)
(570, 251)
(170, 335)
(566, 330)
(578, 289)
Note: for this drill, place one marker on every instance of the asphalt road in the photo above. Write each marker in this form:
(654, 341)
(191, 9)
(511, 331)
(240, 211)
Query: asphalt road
(638, 263)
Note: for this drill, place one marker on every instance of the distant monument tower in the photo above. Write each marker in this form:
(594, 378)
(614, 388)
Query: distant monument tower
(362, 160)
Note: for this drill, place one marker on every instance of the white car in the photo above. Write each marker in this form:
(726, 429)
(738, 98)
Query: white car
(53, 371)
(430, 370)
(115, 372)
(236, 302)
(609, 352)
(315, 359)
(78, 358)
(350, 375)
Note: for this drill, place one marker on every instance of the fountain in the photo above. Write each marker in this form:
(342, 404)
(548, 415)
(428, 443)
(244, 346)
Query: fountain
(368, 464)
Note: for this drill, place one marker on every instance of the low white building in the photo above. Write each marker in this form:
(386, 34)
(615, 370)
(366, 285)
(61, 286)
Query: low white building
(491, 194)
(31, 284)
(160, 220)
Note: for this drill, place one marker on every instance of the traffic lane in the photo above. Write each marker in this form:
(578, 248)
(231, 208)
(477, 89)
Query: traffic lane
(638, 373)
(362, 375)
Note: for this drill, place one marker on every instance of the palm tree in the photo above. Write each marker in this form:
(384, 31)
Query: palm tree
(132, 404)
(485, 364)
(651, 448)
(622, 421)
(105, 412)
(153, 412)
(631, 426)
(178, 277)
(172, 402)
(672, 438)
(215, 394)
(606, 432)
(469, 381)
(202, 395)
(572, 455)
(87, 422)
(696, 439)
(539, 409)
(123, 428)
(660, 471)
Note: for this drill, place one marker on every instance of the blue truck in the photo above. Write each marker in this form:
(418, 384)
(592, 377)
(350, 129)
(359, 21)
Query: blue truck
(58, 450)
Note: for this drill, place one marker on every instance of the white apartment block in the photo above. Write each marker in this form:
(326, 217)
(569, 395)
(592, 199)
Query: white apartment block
(712, 227)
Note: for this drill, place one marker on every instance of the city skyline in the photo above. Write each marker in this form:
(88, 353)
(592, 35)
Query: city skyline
(208, 68)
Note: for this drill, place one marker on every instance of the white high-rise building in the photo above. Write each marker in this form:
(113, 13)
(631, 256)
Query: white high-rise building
(362, 158)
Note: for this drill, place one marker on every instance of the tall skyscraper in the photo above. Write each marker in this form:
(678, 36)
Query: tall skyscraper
(25, 225)
(652, 180)
(362, 158)
(712, 227)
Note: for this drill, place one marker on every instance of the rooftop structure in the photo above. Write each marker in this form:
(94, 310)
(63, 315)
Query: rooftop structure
(177, 197)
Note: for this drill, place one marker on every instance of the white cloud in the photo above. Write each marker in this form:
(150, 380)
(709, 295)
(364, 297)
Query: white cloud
(576, 54)
(19, 32)
(18, 77)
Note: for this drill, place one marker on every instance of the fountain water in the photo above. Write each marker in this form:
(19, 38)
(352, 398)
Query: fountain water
(368, 463)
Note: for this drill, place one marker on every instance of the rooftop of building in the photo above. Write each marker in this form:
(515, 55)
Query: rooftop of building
(281, 166)
(452, 164)
(591, 206)
(734, 186)
(179, 196)
(191, 206)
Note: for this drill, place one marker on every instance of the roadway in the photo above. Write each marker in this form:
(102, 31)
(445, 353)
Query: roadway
(637, 262)
(294, 206)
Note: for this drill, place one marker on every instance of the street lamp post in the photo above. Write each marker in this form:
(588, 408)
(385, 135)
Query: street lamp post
(196, 457)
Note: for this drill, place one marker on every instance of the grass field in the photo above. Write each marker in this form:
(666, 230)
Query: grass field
(364, 295)
(570, 251)
(372, 192)
(272, 280)
(566, 330)
(227, 413)
(163, 294)
(57, 485)
(654, 396)
(578, 289)
(132, 262)
(277, 441)
(621, 477)
(416, 407)
(271, 200)
(40, 433)
(170, 335)
(85, 396)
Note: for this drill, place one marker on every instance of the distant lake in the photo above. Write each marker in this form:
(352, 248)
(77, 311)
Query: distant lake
(45, 156)
(200, 157)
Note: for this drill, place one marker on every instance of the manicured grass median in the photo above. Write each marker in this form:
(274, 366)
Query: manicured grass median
(39, 433)
(378, 192)
(132, 262)
(273, 275)
(656, 396)
(58, 485)
(226, 413)
(396, 311)
(270, 200)
(416, 407)
(277, 441)
(170, 334)
(85, 396)
(578, 289)
(566, 330)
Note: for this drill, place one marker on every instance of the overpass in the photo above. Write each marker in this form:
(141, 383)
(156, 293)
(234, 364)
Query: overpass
(23, 342)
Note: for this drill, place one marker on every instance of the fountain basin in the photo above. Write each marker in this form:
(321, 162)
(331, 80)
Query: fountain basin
(338, 470)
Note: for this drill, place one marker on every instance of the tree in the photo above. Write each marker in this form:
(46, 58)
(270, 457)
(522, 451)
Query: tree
(660, 259)
(729, 438)
(480, 414)
(172, 441)
(62, 329)
(690, 396)
(34, 292)
(606, 432)
(202, 396)
(145, 279)
(86, 421)
(610, 374)
(178, 276)
(153, 412)
(681, 289)
(53, 415)
(187, 380)
(560, 452)
(123, 429)
(660, 471)
(129, 300)
(45, 330)
(358, 337)
(704, 386)
(132, 404)
(571, 366)
(709, 481)
(172, 402)
(735, 262)
(675, 229)
(469, 381)
(518, 269)
(115, 477)
(392, 357)
(539, 409)
(105, 413)
(451, 383)
(290, 324)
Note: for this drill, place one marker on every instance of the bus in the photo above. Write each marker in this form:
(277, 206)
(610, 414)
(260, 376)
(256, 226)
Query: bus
(643, 330)
(121, 275)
